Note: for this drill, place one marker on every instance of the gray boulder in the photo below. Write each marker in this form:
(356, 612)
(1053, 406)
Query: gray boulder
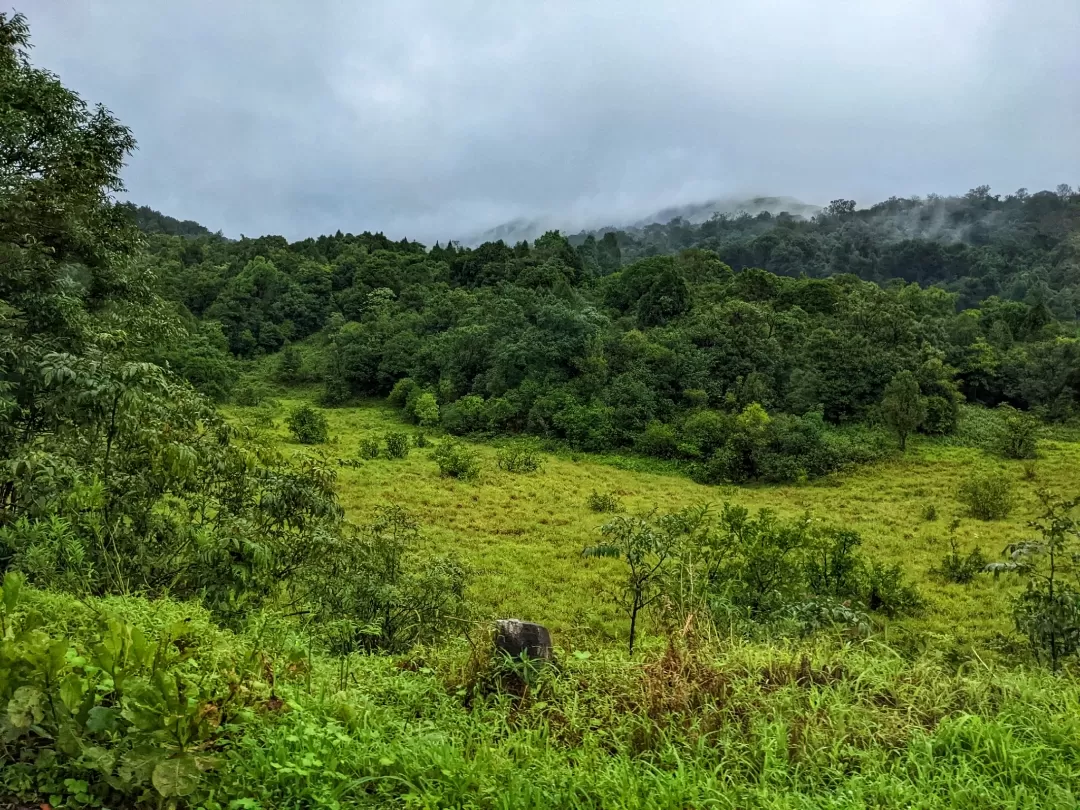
(516, 638)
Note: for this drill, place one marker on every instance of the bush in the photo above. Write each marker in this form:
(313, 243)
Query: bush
(1018, 434)
(988, 496)
(250, 393)
(702, 432)
(290, 365)
(456, 460)
(426, 410)
(465, 415)
(519, 457)
(397, 444)
(606, 502)
(960, 568)
(658, 440)
(1048, 612)
(929, 513)
(116, 715)
(421, 440)
(887, 590)
(399, 394)
(378, 591)
(308, 425)
(942, 415)
(369, 448)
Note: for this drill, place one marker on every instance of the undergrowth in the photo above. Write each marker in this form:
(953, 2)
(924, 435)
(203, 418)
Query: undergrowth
(696, 722)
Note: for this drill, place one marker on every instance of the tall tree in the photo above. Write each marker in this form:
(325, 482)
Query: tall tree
(902, 407)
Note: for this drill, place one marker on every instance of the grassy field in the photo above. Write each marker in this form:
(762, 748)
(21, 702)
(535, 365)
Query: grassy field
(925, 715)
(523, 534)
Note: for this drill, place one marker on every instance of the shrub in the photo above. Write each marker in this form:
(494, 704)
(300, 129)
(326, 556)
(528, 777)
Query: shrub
(399, 394)
(1051, 622)
(1018, 434)
(929, 513)
(942, 415)
(426, 410)
(369, 448)
(658, 440)
(421, 440)
(465, 415)
(960, 568)
(249, 393)
(1048, 612)
(308, 425)
(606, 502)
(988, 496)
(456, 460)
(290, 364)
(702, 432)
(519, 457)
(336, 389)
(887, 590)
(378, 591)
(821, 613)
(397, 444)
(90, 709)
(499, 412)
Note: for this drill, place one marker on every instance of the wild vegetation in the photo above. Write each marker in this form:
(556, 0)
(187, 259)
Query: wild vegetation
(275, 603)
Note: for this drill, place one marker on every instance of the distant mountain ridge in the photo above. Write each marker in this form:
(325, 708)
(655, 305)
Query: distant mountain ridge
(527, 229)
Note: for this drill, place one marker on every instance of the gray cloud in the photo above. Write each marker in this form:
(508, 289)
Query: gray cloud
(431, 119)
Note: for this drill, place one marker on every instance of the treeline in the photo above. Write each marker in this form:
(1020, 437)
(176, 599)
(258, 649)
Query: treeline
(749, 373)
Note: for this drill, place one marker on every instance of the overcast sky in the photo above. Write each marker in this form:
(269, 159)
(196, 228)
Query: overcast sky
(438, 118)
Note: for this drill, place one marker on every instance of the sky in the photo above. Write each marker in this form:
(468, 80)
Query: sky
(430, 119)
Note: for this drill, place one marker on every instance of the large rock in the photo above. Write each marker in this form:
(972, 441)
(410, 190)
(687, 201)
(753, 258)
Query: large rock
(517, 639)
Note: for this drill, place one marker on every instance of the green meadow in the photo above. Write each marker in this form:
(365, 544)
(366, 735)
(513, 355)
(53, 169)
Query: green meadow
(522, 534)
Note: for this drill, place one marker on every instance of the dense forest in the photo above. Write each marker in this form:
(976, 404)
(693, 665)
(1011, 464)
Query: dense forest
(739, 344)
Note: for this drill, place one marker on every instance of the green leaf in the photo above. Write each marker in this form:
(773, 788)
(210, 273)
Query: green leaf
(142, 650)
(142, 717)
(176, 777)
(137, 765)
(25, 707)
(101, 719)
(13, 583)
(99, 759)
(71, 692)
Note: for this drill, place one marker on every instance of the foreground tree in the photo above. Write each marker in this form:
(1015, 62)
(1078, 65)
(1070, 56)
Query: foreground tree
(115, 474)
(647, 550)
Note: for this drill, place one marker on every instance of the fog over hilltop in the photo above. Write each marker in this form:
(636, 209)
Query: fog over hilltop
(435, 121)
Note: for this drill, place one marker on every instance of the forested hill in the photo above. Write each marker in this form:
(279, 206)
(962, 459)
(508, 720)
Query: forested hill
(1022, 246)
(642, 339)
